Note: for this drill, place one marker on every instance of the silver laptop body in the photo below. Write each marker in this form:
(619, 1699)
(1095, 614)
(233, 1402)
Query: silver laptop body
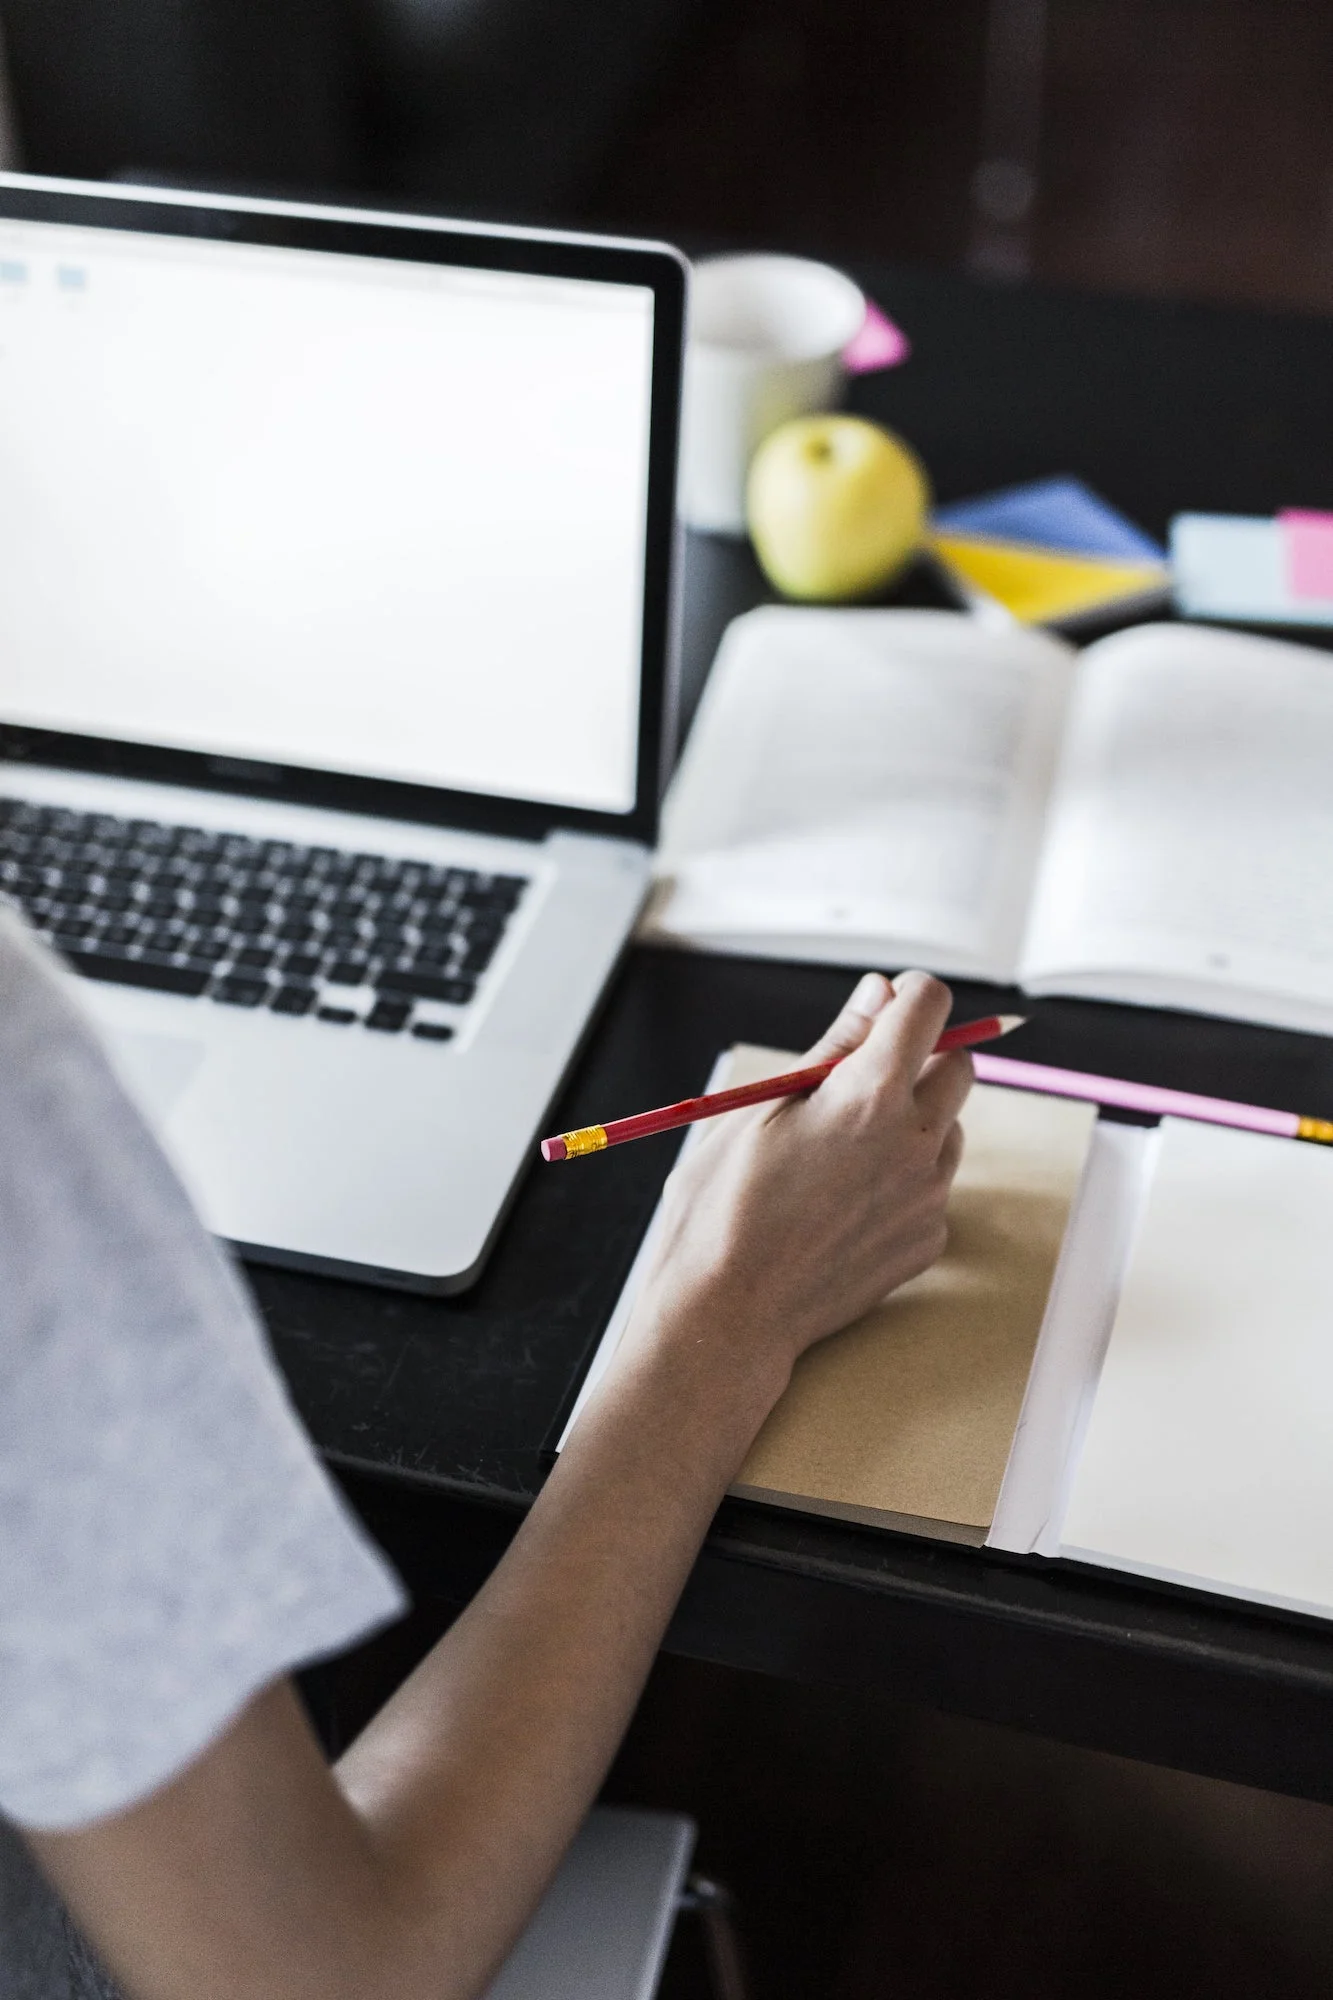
(335, 683)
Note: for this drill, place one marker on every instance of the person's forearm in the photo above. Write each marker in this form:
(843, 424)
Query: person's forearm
(256, 1875)
(477, 1773)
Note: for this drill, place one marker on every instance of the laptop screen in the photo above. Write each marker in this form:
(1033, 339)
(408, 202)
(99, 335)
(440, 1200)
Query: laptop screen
(340, 512)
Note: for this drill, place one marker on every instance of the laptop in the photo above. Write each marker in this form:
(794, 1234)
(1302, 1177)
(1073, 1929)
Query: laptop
(334, 644)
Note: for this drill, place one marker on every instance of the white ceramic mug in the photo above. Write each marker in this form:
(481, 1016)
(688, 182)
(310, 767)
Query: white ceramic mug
(766, 336)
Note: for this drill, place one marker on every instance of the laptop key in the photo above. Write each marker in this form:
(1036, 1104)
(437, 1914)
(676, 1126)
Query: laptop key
(157, 937)
(293, 1000)
(348, 972)
(388, 1016)
(428, 986)
(118, 971)
(479, 955)
(342, 1016)
(433, 1031)
(302, 964)
(240, 992)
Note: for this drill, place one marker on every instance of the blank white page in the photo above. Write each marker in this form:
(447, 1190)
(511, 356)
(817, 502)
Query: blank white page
(859, 780)
(1209, 1455)
(1189, 859)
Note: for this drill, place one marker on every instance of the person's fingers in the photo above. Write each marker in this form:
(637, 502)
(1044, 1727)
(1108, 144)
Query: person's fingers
(901, 1037)
(951, 1153)
(942, 1089)
(868, 998)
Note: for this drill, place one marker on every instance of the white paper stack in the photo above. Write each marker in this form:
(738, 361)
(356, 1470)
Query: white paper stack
(1208, 1458)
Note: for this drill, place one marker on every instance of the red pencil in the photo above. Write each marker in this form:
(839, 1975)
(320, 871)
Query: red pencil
(595, 1138)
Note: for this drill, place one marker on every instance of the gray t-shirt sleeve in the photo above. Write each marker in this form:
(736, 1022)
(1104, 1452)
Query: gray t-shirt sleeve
(169, 1541)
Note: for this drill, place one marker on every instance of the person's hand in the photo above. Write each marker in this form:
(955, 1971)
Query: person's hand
(787, 1221)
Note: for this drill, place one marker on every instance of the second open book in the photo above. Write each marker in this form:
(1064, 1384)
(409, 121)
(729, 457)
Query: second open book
(1122, 1357)
(1148, 820)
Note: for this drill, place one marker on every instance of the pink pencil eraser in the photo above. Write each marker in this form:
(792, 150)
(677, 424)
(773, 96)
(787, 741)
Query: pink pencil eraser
(1307, 539)
(553, 1149)
(877, 344)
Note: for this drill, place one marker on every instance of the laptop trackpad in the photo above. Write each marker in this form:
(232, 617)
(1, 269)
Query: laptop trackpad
(154, 1069)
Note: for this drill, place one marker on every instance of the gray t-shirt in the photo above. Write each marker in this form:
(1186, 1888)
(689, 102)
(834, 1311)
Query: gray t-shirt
(169, 1542)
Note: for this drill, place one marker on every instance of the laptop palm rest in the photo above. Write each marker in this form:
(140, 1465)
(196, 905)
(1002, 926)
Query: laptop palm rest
(155, 1069)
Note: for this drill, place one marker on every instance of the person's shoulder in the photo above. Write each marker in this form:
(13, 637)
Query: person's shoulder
(16, 940)
(28, 969)
(39, 1019)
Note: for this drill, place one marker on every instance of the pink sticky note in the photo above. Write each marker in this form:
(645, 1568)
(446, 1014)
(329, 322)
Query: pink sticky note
(1307, 541)
(878, 344)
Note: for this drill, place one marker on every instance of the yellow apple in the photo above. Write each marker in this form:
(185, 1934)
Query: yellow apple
(836, 506)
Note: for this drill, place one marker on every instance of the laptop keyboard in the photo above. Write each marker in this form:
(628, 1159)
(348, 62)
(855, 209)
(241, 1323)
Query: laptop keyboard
(345, 938)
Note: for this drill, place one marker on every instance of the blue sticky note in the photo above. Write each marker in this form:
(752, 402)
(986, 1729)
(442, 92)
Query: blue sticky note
(1052, 514)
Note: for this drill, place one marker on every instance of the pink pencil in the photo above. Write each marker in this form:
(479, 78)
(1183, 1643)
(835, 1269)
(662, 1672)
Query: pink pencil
(1150, 1097)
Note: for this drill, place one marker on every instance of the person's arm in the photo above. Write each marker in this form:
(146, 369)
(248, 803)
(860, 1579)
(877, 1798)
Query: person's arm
(258, 1874)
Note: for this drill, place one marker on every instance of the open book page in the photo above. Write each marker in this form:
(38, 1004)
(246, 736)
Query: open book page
(864, 786)
(907, 1417)
(1206, 1459)
(1189, 850)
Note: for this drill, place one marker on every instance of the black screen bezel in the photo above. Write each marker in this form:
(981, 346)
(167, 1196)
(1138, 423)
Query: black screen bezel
(653, 266)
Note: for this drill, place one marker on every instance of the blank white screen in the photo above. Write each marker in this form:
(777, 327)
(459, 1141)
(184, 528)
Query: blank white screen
(343, 512)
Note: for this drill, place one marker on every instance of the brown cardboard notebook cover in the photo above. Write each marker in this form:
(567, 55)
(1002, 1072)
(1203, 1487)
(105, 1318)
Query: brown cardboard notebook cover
(906, 1418)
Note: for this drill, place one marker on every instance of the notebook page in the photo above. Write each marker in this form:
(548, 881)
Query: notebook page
(1074, 1333)
(864, 785)
(1189, 852)
(911, 1410)
(1207, 1457)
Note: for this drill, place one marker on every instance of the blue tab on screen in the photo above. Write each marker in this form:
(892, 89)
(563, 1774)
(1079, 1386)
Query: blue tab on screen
(1053, 514)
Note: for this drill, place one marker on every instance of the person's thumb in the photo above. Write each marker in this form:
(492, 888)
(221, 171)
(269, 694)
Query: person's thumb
(868, 998)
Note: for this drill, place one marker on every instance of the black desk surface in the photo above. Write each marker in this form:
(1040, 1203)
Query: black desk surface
(436, 1413)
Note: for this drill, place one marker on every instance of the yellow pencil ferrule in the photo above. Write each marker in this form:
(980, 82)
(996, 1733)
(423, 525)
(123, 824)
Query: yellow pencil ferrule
(592, 1138)
(1316, 1128)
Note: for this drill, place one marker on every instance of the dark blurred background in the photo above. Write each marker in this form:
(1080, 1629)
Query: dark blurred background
(1170, 147)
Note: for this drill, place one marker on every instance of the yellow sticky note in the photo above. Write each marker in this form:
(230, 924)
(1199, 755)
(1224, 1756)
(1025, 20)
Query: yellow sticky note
(1044, 586)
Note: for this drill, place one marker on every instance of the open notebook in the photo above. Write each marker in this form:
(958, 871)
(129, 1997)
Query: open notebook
(1123, 1358)
(1146, 821)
